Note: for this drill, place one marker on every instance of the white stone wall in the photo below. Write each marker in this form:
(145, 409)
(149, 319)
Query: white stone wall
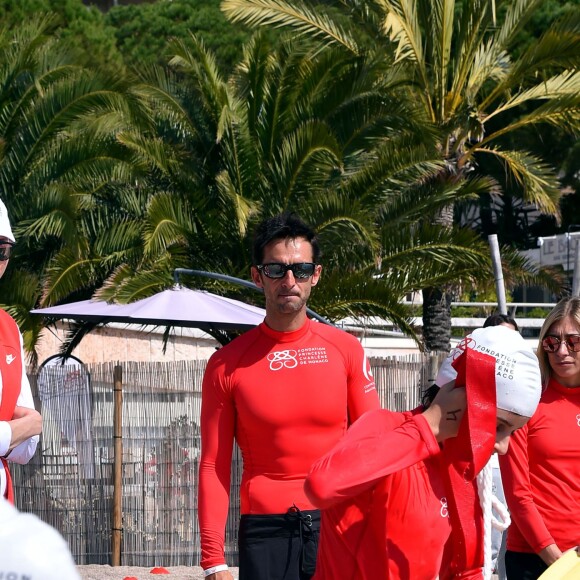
(129, 343)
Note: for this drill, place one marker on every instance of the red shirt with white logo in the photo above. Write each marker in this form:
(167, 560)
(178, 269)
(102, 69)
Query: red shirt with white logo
(14, 391)
(287, 398)
(386, 510)
(541, 474)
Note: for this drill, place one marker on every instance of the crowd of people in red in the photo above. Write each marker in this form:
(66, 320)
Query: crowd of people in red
(336, 488)
(333, 486)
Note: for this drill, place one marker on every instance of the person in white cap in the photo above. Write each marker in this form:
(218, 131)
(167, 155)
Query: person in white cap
(30, 548)
(20, 423)
(399, 493)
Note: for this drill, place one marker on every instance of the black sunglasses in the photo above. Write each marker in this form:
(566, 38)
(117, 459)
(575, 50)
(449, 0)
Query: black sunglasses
(552, 343)
(301, 270)
(5, 250)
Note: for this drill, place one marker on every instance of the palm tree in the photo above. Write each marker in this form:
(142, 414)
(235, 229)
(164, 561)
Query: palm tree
(62, 158)
(115, 183)
(455, 62)
(310, 130)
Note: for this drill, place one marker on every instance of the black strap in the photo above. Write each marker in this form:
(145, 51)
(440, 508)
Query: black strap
(308, 541)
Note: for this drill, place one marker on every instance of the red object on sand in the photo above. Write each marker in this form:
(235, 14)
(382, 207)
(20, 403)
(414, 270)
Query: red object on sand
(159, 570)
(130, 578)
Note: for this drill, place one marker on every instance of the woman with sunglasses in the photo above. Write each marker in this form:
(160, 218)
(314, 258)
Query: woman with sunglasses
(541, 471)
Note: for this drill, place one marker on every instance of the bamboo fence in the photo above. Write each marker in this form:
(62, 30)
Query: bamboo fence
(116, 467)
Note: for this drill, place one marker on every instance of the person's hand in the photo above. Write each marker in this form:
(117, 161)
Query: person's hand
(446, 411)
(20, 412)
(550, 554)
(223, 575)
(25, 423)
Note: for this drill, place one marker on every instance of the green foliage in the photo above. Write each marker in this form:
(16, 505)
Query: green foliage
(456, 61)
(546, 13)
(84, 30)
(144, 31)
(61, 162)
(537, 313)
(115, 181)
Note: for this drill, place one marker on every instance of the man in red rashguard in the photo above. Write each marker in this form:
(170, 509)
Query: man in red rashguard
(20, 423)
(286, 391)
(399, 493)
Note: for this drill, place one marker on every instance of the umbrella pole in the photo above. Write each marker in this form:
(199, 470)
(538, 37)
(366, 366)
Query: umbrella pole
(117, 530)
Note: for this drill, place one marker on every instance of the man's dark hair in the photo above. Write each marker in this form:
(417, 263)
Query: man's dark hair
(497, 319)
(283, 226)
(428, 395)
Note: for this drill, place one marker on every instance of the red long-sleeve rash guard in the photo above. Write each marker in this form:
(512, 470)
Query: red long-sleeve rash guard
(287, 398)
(385, 504)
(541, 474)
(386, 510)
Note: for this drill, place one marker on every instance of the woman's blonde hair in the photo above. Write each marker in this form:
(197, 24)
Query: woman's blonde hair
(566, 308)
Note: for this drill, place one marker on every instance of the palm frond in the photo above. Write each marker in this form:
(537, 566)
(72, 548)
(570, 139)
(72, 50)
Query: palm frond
(242, 207)
(471, 30)
(346, 229)
(432, 255)
(68, 273)
(517, 15)
(169, 218)
(442, 17)
(359, 295)
(306, 20)
(521, 271)
(540, 185)
(304, 161)
(556, 50)
(74, 335)
(125, 285)
(404, 206)
(489, 64)
(401, 25)
(566, 84)
(195, 61)
(19, 295)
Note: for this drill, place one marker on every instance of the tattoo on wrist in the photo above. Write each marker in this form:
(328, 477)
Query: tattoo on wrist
(452, 415)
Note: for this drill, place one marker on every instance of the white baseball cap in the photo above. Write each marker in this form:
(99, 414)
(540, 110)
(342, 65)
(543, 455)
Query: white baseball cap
(5, 229)
(517, 371)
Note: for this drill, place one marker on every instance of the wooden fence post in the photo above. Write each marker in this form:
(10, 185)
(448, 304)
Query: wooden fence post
(117, 529)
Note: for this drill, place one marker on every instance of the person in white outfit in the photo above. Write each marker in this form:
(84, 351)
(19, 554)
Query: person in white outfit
(30, 548)
(20, 423)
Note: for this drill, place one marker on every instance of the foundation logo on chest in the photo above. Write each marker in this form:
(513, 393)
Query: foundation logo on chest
(292, 358)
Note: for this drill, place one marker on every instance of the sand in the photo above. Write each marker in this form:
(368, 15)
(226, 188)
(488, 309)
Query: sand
(99, 572)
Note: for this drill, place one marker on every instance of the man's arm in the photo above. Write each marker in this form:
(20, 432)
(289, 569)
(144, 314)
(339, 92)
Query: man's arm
(374, 448)
(221, 575)
(362, 392)
(217, 435)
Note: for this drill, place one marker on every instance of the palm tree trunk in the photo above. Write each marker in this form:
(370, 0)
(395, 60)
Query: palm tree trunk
(437, 301)
(437, 319)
